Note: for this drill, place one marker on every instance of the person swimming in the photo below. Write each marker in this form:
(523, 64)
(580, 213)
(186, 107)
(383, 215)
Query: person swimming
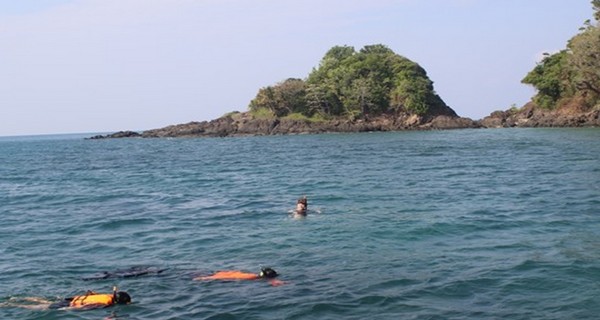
(89, 300)
(93, 300)
(233, 275)
(301, 206)
(136, 271)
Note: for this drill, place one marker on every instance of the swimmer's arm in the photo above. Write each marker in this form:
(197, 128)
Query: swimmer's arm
(276, 282)
(90, 306)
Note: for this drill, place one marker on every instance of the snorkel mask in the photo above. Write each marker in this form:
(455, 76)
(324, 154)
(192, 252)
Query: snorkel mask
(267, 273)
(121, 297)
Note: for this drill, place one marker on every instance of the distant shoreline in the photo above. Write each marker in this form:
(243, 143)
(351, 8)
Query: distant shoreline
(243, 124)
(238, 124)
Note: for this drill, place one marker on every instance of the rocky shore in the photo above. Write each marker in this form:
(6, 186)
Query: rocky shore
(238, 124)
(531, 116)
(243, 124)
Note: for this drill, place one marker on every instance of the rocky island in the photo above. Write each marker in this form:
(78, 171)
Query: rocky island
(372, 89)
(567, 85)
(375, 89)
(244, 124)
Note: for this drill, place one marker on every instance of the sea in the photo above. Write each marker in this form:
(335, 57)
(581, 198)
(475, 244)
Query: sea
(459, 224)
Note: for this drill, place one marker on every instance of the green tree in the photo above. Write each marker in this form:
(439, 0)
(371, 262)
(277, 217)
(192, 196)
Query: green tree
(332, 60)
(353, 84)
(551, 78)
(585, 62)
(322, 101)
(282, 99)
(409, 96)
(573, 72)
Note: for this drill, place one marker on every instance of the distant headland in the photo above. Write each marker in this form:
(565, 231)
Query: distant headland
(245, 124)
(372, 89)
(238, 124)
(375, 89)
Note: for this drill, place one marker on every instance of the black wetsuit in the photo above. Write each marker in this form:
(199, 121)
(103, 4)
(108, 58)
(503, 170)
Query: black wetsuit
(61, 304)
(125, 273)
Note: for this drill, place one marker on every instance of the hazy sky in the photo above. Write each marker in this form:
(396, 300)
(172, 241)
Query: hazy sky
(78, 66)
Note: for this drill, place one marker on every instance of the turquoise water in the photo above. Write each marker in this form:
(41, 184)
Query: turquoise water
(466, 224)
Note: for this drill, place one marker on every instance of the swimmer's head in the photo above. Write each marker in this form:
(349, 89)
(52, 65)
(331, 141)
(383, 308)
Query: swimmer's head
(267, 273)
(122, 297)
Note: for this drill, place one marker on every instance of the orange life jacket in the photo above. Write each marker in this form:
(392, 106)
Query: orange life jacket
(92, 299)
(231, 275)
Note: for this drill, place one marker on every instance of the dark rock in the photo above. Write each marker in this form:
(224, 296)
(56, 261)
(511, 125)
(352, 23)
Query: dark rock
(573, 114)
(120, 134)
(447, 122)
(244, 124)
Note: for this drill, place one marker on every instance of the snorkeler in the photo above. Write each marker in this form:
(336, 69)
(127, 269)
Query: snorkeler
(265, 273)
(301, 206)
(89, 300)
(126, 273)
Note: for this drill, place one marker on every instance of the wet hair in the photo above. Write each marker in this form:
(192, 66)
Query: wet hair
(122, 297)
(303, 200)
(267, 273)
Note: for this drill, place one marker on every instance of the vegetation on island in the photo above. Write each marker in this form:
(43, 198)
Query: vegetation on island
(573, 74)
(353, 85)
(391, 92)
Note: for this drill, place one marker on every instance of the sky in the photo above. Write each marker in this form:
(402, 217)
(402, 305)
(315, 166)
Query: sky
(97, 66)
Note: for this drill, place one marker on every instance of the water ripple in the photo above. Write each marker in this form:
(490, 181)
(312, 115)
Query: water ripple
(469, 224)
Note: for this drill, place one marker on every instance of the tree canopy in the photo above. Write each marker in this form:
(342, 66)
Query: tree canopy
(571, 73)
(353, 84)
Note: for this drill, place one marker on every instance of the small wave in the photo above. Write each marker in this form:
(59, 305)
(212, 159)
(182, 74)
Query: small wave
(117, 224)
